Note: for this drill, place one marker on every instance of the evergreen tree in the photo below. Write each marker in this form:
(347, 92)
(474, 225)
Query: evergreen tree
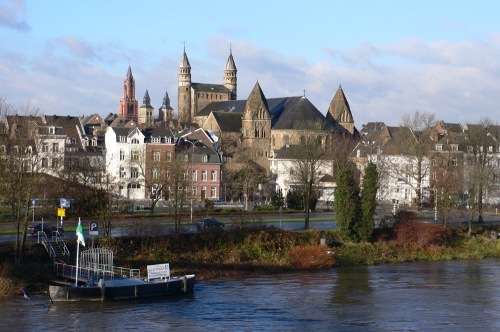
(368, 202)
(347, 204)
(277, 199)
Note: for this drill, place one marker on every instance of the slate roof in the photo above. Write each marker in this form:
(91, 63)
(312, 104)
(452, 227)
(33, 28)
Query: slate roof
(204, 87)
(228, 122)
(286, 112)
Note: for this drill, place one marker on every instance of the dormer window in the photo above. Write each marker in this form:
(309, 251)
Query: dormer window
(86, 141)
(205, 158)
(123, 138)
(439, 147)
(134, 141)
(454, 147)
(52, 130)
(155, 140)
(94, 141)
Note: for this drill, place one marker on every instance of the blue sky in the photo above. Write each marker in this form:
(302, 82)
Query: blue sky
(391, 57)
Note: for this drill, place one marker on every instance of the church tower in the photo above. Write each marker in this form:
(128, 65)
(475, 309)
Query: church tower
(146, 112)
(184, 92)
(230, 78)
(129, 106)
(340, 111)
(256, 127)
(166, 112)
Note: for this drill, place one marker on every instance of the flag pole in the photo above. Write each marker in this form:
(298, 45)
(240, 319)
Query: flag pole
(77, 254)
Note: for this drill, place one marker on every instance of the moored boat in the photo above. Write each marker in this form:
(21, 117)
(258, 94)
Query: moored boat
(123, 289)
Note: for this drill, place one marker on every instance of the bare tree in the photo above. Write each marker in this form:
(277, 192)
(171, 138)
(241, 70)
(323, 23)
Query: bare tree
(480, 169)
(21, 166)
(415, 146)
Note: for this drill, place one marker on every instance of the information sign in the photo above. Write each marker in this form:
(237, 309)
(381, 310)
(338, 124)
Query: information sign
(93, 228)
(158, 271)
(61, 212)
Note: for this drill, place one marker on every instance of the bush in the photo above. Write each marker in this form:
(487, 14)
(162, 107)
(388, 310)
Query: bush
(418, 233)
(307, 257)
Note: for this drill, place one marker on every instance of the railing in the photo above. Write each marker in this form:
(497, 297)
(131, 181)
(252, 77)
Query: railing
(96, 272)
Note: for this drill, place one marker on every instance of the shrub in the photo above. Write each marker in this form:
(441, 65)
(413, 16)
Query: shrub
(418, 233)
(306, 257)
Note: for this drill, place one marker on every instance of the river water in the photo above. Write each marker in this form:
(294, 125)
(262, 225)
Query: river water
(428, 296)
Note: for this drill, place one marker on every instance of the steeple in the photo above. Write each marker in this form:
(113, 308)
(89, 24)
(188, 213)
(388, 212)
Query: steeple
(128, 104)
(184, 91)
(146, 100)
(230, 79)
(340, 111)
(256, 106)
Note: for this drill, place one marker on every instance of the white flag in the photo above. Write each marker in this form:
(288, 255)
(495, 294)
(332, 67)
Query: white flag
(79, 233)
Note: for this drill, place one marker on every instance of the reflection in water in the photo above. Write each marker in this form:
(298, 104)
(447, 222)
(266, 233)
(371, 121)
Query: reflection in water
(455, 295)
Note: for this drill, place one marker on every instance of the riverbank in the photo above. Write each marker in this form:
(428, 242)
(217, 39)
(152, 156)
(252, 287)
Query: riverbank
(241, 252)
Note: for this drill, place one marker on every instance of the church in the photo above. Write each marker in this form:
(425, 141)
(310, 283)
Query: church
(257, 125)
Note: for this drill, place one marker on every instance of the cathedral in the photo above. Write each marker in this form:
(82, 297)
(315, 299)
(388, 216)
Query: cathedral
(257, 125)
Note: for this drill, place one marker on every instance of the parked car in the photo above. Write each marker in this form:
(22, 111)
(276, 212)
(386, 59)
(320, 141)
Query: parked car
(47, 229)
(219, 202)
(209, 223)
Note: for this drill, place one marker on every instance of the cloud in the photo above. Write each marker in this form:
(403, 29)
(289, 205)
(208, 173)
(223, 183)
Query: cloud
(10, 16)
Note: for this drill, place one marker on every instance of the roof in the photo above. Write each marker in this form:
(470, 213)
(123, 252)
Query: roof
(204, 87)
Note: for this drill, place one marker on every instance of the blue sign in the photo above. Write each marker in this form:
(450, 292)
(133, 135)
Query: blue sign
(93, 228)
(33, 202)
(65, 203)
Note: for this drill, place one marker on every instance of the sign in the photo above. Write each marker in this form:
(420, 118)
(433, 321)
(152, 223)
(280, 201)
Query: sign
(64, 203)
(61, 212)
(93, 228)
(158, 271)
(33, 202)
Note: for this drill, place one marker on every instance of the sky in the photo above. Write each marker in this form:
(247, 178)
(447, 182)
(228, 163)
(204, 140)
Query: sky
(391, 57)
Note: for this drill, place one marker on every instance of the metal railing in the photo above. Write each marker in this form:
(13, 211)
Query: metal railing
(95, 272)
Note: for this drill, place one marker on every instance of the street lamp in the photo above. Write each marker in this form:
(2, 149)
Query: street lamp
(192, 157)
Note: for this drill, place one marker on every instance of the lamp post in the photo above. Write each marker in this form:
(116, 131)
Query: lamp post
(192, 157)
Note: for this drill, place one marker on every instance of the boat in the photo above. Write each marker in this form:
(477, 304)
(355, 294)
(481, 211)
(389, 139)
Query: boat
(122, 289)
(97, 279)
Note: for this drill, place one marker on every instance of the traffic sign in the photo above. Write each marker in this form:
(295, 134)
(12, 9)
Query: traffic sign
(61, 212)
(33, 202)
(93, 228)
(65, 203)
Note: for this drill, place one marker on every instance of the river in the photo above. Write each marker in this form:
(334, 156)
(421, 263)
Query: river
(461, 295)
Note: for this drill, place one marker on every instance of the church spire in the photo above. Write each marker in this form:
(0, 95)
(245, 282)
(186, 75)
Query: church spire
(230, 78)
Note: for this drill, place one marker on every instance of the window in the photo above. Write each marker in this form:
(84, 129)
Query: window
(135, 155)
(205, 158)
(52, 130)
(193, 191)
(86, 141)
(213, 176)
(134, 172)
(490, 148)
(155, 140)
(94, 141)
(45, 147)
(194, 175)
(213, 192)
(439, 147)
(122, 155)
(454, 147)
(45, 162)
(203, 192)
(204, 175)
(156, 173)
(134, 186)
(185, 175)
(169, 155)
(123, 138)
(122, 172)
(186, 157)
(55, 162)
(156, 155)
(454, 162)
(55, 147)
(134, 141)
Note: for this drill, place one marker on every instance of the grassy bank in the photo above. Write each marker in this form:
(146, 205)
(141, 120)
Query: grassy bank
(241, 252)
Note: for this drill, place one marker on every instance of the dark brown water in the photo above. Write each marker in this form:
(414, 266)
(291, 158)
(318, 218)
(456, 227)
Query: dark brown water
(434, 296)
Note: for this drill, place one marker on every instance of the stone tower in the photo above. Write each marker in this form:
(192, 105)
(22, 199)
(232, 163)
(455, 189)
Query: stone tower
(166, 112)
(146, 112)
(256, 127)
(184, 92)
(129, 106)
(340, 111)
(230, 79)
